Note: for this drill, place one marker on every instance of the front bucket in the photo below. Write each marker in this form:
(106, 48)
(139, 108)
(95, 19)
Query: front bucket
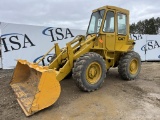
(36, 87)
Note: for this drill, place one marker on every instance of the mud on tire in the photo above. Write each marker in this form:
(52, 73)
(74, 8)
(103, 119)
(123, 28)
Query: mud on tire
(129, 65)
(83, 69)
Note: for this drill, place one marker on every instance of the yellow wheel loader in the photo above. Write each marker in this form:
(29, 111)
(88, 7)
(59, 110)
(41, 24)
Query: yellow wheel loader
(88, 58)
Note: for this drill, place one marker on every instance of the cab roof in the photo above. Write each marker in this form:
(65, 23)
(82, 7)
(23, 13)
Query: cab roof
(112, 8)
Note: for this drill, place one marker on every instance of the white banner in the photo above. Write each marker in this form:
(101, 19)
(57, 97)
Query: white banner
(152, 48)
(31, 42)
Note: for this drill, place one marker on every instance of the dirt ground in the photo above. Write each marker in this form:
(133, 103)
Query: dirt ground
(116, 100)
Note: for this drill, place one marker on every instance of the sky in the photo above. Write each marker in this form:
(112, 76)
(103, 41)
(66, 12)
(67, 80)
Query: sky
(74, 14)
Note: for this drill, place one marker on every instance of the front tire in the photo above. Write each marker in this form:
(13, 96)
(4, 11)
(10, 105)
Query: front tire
(129, 66)
(89, 72)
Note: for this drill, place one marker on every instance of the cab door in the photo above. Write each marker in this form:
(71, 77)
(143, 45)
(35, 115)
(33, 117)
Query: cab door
(121, 29)
(109, 30)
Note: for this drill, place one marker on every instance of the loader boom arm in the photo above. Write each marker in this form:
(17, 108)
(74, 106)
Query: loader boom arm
(63, 63)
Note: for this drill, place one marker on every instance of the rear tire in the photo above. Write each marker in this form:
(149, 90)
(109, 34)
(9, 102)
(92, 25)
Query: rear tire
(129, 65)
(89, 72)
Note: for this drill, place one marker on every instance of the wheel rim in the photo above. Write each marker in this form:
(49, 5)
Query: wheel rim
(133, 66)
(93, 73)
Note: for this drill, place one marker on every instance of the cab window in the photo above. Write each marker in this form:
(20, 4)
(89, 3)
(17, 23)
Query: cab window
(109, 22)
(122, 21)
(95, 22)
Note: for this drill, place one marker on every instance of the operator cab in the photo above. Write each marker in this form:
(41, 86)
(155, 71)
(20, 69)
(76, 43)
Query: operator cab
(111, 24)
(104, 18)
